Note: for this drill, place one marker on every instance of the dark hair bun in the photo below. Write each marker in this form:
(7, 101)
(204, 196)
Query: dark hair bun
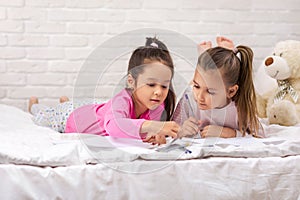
(155, 43)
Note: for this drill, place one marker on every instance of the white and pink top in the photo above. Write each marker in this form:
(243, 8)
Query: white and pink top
(226, 116)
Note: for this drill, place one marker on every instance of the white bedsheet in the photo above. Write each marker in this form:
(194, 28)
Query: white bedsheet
(38, 163)
(211, 178)
(23, 142)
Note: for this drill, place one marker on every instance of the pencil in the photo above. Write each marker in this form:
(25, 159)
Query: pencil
(189, 103)
(191, 107)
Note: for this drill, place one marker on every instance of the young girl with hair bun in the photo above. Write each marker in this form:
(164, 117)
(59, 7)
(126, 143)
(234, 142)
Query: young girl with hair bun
(142, 110)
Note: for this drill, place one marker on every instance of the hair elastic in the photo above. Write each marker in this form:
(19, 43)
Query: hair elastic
(237, 53)
(153, 44)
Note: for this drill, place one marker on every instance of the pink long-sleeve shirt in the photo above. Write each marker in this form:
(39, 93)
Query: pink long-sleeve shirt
(115, 118)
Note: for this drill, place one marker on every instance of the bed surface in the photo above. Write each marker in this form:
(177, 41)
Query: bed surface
(39, 163)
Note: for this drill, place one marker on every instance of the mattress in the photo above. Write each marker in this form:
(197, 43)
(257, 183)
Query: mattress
(39, 163)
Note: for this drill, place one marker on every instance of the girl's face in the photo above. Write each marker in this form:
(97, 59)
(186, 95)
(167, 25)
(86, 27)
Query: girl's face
(209, 90)
(151, 87)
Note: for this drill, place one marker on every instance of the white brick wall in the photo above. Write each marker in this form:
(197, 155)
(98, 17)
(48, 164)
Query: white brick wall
(45, 43)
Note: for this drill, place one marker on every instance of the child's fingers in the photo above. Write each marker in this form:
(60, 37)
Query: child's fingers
(175, 127)
(160, 139)
(152, 140)
(149, 139)
(199, 123)
(193, 126)
(189, 128)
(171, 133)
(212, 131)
(172, 125)
(193, 120)
(203, 133)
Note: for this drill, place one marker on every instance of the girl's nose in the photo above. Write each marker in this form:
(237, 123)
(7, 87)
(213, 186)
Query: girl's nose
(200, 95)
(157, 91)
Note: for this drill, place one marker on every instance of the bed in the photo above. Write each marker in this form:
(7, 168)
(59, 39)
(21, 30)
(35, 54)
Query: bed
(38, 163)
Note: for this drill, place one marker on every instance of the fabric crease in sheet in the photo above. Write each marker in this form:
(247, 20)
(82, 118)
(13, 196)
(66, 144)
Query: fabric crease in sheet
(48, 163)
(23, 142)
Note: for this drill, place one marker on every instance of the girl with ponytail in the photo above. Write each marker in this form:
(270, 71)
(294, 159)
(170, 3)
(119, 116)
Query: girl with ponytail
(221, 99)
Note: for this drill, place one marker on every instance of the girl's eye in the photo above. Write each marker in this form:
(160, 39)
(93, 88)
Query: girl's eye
(154, 84)
(196, 86)
(210, 92)
(151, 84)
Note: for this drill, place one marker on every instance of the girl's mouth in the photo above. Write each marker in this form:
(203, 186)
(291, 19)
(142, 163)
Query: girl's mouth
(202, 105)
(155, 100)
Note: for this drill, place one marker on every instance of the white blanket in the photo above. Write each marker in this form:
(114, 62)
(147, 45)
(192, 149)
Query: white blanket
(23, 142)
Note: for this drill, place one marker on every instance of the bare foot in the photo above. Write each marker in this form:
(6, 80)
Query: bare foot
(32, 100)
(203, 46)
(224, 42)
(63, 99)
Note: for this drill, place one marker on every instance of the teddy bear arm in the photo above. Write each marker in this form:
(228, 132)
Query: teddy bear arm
(261, 104)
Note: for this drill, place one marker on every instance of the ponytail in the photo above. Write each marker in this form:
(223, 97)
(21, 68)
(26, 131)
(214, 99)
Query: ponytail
(245, 97)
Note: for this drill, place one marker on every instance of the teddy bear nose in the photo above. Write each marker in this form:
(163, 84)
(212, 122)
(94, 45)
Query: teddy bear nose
(269, 61)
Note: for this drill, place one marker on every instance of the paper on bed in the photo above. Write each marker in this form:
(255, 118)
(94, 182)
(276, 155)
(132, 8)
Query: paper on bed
(277, 144)
(233, 147)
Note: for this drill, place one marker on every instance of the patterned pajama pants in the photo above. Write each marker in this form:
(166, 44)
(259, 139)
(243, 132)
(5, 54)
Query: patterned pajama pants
(56, 117)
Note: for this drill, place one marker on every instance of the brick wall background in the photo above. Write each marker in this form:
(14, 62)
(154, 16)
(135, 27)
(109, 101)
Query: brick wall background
(44, 43)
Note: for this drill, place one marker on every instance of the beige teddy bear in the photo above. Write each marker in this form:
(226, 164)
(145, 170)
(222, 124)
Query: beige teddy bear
(282, 105)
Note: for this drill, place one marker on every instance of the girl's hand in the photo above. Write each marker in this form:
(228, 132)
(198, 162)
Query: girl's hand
(156, 139)
(157, 131)
(225, 42)
(217, 131)
(203, 46)
(189, 127)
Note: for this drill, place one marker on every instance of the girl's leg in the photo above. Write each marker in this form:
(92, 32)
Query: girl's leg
(32, 100)
(53, 117)
(63, 99)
